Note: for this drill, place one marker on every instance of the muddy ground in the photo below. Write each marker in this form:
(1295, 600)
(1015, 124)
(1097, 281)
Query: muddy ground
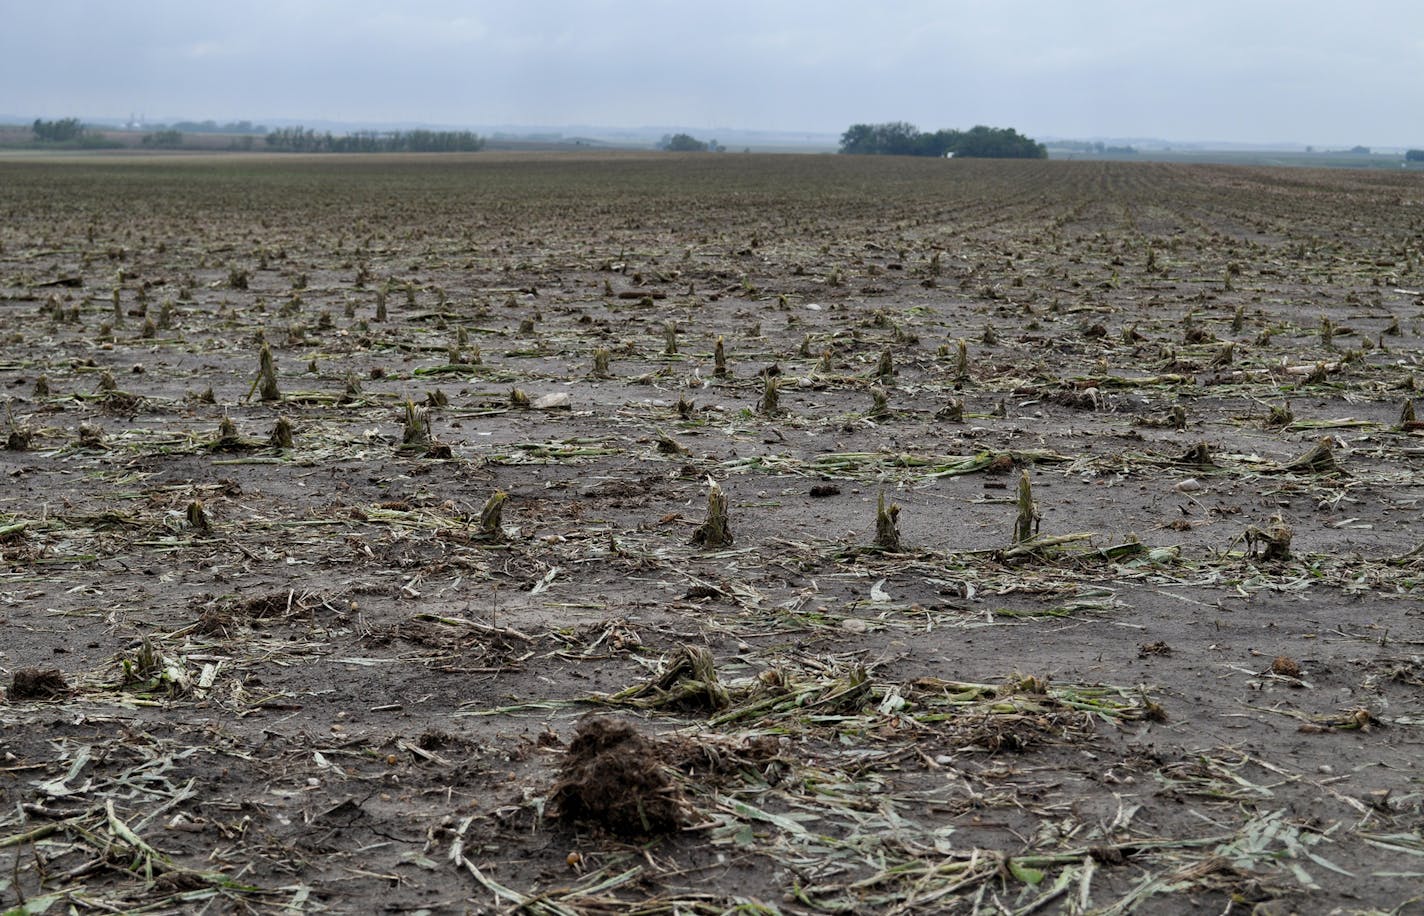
(1138, 628)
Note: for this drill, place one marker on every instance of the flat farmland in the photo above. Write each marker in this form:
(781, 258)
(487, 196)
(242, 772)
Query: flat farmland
(623, 533)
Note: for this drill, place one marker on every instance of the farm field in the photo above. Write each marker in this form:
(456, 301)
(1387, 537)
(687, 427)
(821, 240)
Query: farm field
(624, 533)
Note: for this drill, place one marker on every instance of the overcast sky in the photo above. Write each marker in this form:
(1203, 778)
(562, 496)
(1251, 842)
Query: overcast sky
(1328, 72)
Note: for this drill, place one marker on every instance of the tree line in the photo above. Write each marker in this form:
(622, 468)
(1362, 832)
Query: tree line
(213, 127)
(306, 140)
(898, 138)
(64, 130)
(70, 132)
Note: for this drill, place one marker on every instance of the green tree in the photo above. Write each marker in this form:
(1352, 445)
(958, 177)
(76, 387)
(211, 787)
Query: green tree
(163, 139)
(859, 140)
(939, 143)
(898, 138)
(62, 131)
(1414, 155)
(998, 143)
(304, 140)
(682, 143)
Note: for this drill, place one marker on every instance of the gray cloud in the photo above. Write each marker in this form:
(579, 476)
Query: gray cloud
(1250, 70)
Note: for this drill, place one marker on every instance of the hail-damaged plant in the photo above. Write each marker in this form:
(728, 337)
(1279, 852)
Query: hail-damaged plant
(1028, 518)
(18, 436)
(92, 437)
(1407, 421)
(879, 403)
(769, 405)
(1199, 454)
(1318, 459)
(961, 360)
(887, 525)
(667, 445)
(351, 392)
(265, 384)
(1273, 541)
(601, 358)
(227, 438)
(716, 530)
(885, 367)
(415, 428)
(281, 436)
(952, 411)
(197, 516)
(148, 669)
(1280, 416)
(688, 679)
(492, 517)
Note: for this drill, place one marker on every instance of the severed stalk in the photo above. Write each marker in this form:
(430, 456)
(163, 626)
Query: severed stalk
(1026, 523)
(716, 531)
(887, 526)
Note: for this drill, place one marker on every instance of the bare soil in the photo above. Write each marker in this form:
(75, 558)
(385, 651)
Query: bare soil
(1070, 563)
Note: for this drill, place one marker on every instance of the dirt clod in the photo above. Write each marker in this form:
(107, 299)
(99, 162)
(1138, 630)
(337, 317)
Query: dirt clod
(1285, 666)
(1002, 464)
(38, 684)
(613, 777)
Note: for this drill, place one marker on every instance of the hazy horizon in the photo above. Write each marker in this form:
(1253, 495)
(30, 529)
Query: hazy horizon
(1252, 73)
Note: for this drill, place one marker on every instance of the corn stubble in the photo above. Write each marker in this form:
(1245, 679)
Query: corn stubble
(716, 530)
(1196, 368)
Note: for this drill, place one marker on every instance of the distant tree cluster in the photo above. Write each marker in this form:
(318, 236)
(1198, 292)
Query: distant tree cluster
(305, 140)
(686, 143)
(1094, 147)
(163, 139)
(898, 138)
(66, 130)
(1414, 155)
(71, 132)
(213, 127)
